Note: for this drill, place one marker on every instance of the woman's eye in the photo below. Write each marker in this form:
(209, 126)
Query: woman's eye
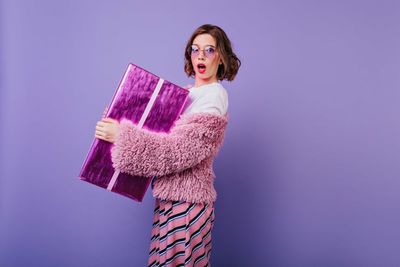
(210, 50)
(195, 49)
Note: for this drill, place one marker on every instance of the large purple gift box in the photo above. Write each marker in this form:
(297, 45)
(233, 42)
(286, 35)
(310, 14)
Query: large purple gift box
(149, 102)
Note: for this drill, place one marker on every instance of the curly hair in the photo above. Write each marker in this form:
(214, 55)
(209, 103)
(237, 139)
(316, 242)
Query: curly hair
(230, 62)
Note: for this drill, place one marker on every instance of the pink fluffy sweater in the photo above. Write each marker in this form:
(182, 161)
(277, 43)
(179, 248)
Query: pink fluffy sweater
(181, 160)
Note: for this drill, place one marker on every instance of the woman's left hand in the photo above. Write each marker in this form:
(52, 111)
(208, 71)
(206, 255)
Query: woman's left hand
(107, 129)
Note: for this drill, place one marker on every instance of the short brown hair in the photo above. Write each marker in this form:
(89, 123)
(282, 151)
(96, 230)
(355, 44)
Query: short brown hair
(230, 62)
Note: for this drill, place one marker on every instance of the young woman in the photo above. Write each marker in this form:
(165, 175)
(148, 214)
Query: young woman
(182, 160)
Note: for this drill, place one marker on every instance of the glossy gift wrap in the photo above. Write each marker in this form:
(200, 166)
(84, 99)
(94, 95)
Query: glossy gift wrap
(149, 102)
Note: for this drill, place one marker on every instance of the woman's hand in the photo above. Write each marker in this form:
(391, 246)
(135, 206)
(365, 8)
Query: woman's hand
(107, 129)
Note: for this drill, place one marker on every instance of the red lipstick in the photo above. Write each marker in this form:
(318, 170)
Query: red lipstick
(201, 67)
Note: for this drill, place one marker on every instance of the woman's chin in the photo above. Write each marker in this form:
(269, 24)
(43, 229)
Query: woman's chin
(202, 76)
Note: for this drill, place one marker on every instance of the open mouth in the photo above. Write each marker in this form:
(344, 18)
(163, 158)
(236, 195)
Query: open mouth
(201, 68)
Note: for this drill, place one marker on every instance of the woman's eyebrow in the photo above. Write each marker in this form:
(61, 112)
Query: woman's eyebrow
(204, 46)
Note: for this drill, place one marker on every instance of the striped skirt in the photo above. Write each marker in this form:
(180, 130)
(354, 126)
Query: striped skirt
(181, 234)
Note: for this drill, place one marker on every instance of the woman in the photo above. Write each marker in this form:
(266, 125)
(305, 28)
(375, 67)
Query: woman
(182, 160)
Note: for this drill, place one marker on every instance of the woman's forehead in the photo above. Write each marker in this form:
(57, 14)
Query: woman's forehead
(204, 40)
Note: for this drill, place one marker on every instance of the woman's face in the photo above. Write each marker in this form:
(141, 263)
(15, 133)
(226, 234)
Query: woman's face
(205, 59)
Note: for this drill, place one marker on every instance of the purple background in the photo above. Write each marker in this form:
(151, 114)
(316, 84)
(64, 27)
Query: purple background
(309, 173)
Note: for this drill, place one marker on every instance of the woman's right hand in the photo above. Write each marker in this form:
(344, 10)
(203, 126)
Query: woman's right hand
(107, 129)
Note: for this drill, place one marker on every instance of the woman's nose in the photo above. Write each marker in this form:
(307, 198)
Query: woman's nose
(201, 54)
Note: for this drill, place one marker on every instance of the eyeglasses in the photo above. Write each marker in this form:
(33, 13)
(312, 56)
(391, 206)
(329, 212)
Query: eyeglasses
(208, 51)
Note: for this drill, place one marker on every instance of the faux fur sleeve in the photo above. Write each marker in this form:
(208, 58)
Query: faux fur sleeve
(144, 153)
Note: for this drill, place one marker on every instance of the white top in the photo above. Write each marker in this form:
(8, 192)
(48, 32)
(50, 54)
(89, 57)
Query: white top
(209, 98)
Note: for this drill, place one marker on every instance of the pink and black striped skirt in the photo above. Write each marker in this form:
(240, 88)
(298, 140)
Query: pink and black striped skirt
(181, 234)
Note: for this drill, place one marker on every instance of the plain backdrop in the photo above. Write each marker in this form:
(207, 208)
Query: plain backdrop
(309, 172)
